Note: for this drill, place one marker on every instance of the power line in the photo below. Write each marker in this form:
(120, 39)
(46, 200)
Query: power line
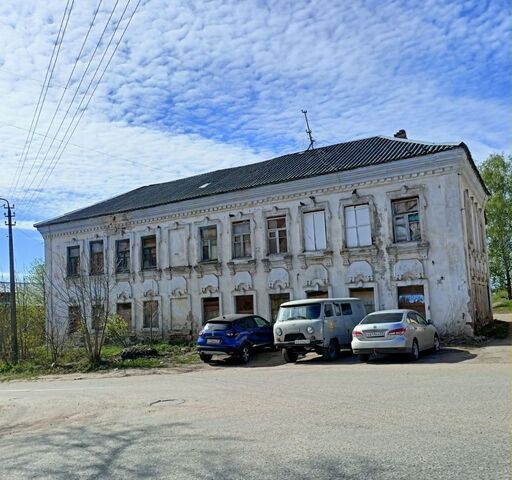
(70, 104)
(65, 90)
(44, 90)
(54, 161)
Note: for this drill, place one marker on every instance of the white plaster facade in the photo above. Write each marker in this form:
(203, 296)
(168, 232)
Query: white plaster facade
(449, 262)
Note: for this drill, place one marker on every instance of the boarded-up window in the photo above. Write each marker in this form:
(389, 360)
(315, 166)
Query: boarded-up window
(276, 299)
(178, 244)
(209, 243)
(150, 314)
(149, 252)
(244, 304)
(242, 239)
(314, 231)
(367, 297)
(123, 256)
(96, 256)
(125, 310)
(210, 308)
(277, 238)
(412, 297)
(74, 319)
(73, 266)
(406, 220)
(357, 226)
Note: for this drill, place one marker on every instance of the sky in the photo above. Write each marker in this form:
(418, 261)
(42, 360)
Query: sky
(194, 86)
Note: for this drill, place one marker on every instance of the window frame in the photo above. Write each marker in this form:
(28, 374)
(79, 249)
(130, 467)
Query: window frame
(143, 251)
(276, 231)
(357, 227)
(127, 254)
(394, 215)
(157, 316)
(307, 214)
(95, 266)
(75, 271)
(209, 244)
(240, 239)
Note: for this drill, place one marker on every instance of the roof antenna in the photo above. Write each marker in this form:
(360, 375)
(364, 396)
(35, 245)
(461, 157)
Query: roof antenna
(308, 131)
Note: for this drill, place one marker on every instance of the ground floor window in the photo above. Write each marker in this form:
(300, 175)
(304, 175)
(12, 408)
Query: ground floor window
(276, 299)
(211, 308)
(412, 297)
(367, 297)
(74, 319)
(125, 310)
(150, 314)
(317, 294)
(244, 304)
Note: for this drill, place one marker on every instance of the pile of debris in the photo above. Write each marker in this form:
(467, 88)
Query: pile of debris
(138, 351)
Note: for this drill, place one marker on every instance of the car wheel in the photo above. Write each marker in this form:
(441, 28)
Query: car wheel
(289, 356)
(364, 357)
(415, 351)
(245, 353)
(205, 357)
(331, 352)
(437, 343)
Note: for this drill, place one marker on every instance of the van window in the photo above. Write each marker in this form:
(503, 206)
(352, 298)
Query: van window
(328, 312)
(346, 309)
(337, 310)
(299, 312)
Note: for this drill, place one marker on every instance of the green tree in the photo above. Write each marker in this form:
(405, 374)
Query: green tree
(497, 175)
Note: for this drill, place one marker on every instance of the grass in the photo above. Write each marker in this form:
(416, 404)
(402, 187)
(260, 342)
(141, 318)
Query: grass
(74, 360)
(500, 302)
(495, 329)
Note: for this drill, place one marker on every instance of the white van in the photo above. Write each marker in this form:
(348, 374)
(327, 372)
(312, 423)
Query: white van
(322, 325)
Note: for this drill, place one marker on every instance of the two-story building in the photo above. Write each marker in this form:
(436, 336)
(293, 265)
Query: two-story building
(396, 222)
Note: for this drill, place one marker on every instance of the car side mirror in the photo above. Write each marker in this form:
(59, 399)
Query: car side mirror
(430, 322)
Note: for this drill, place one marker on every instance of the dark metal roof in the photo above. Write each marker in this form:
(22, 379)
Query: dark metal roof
(293, 166)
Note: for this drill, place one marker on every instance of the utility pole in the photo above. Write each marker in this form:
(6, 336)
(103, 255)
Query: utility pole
(14, 329)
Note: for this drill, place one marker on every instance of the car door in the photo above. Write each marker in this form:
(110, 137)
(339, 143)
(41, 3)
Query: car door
(428, 331)
(264, 331)
(252, 330)
(347, 313)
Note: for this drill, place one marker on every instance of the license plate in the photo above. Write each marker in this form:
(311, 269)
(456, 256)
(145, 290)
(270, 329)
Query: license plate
(301, 342)
(212, 341)
(374, 334)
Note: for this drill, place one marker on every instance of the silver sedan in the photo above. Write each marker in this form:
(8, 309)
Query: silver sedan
(394, 331)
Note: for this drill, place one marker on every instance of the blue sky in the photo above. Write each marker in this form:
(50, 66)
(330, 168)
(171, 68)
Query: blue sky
(197, 85)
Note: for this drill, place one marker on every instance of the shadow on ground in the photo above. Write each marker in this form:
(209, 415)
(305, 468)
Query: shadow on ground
(170, 450)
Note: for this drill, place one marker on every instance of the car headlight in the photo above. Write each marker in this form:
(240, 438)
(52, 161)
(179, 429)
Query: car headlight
(279, 331)
(310, 330)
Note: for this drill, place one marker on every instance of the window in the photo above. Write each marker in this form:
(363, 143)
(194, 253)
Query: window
(276, 299)
(406, 220)
(149, 252)
(276, 232)
(300, 312)
(346, 309)
(412, 297)
(358, 231)
(74, 319)
(123, 256)
(96, 257)
(98, 317)
(210, 308)
(260, 322)
(73, 261)
(328, 311)
(150, 314)
(125, 310)
(242, 239)
(337, 309)
(247, 323)
(314, 231)
(244, 304)
(208, 243)
(367, 297)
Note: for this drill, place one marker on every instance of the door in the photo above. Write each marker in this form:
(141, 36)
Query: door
(263, 331)
(412, 297)
(367, 297)
(427, 332)
(244, 304)
(349, 323)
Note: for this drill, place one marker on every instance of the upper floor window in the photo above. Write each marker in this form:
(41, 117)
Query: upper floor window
(314, 231)
(149, 252)
(96, 257)
(123, 256)
(358, 231)
(276, 232)
(406, 220)
(73, 266)
(242, 239)
(208, 243)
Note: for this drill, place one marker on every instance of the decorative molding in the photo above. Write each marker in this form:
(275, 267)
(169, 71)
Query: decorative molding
(242, 265)
(322, 257)
(204, 268)
(354, 254)
(180, 270)
(277, 261)
(402, 251)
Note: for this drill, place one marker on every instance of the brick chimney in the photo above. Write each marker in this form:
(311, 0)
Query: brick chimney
(400, 134)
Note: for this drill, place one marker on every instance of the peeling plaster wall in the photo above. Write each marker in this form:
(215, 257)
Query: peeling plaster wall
(440, 262)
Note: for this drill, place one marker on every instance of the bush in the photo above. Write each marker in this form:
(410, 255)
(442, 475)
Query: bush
(118, 331)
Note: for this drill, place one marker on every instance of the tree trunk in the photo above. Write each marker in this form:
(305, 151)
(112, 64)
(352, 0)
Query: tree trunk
(509, 283)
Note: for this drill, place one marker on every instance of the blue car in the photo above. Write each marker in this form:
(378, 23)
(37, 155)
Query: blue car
(234, 336)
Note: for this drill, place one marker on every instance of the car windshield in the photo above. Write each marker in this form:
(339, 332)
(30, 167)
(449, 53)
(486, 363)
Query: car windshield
(217, 326)
(382, 318)
(299, 312)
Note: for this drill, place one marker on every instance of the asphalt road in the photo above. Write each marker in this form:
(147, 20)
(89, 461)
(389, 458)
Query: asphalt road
(445, 417)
